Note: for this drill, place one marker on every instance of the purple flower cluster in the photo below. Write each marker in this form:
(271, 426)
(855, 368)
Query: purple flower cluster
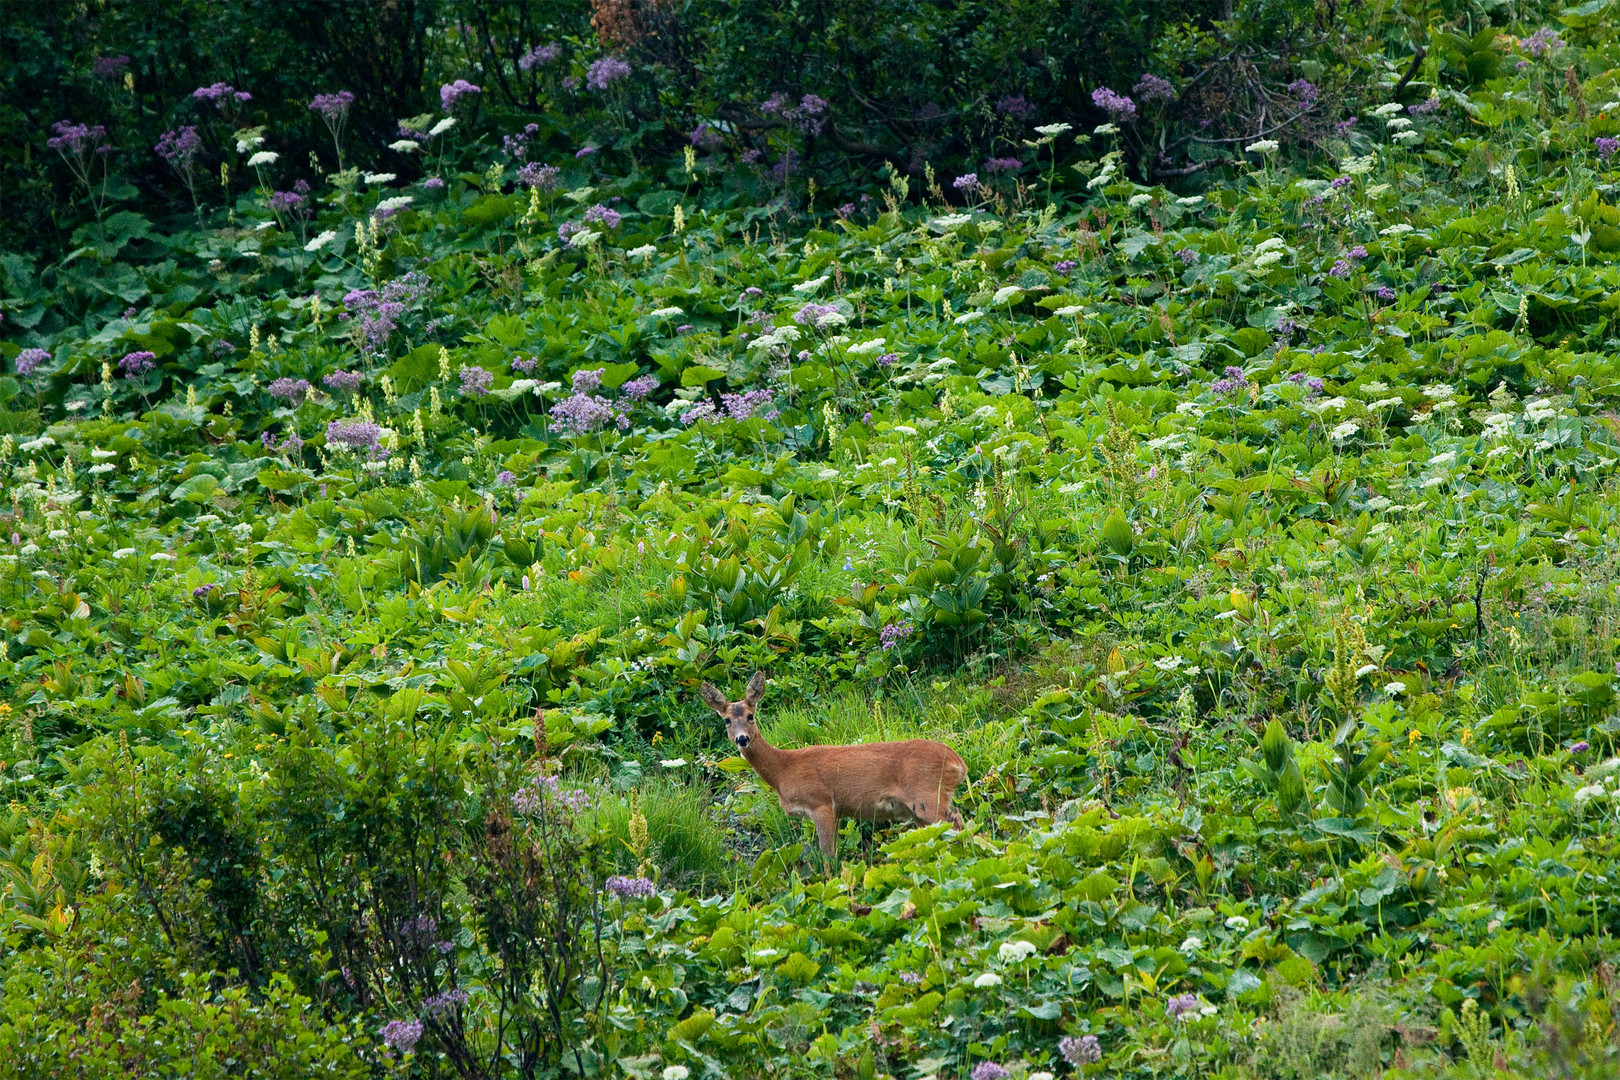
(1344, 127)
(584, 152)
(1313, 385)
(475, 381)
(539, 56)
(1085, 1050)
(1424, 107)
(807, 116)
(204, 589)
(1341, 182)
(887, 359)
(749, 404)
(286, 202)
(966, 182)
(292, 391)
(587, 380)
(1187, 256)
(434, 183)
(1002, 164)
(1016, 107)
(533, 798)
(894, 633)
(605, 72)
(109, 67)
(506, 478)
(452, 92)
(526, 366)
(379, 311)
(292, 444)
(1118, 107)
(401, 1036)
(357, 435)
(29, 360)
(78, 140)
(517, 146)
(1181, 1005)
(1232, 384)
(626, 888)
(1065, 267)
(989, 1070)
(137, 363)
(445, 1002)
(1304, 92)
(705, 138)
(569, 229)
(332, 108)
(1152, 87)
(606, 216)
(638, 388)
(221, 94)
(1606, 146)
(179, 148)
(1542, 40)
(814, 314)
(1384, 293)
(346, 381)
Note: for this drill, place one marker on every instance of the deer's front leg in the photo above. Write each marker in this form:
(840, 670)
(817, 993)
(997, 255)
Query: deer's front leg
(826, 822)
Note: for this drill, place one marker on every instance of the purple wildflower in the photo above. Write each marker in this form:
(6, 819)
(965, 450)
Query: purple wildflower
(1341, 268)
(379, 310)
(638, 388)
(285, 202)
(539, 56)
(1341, 182)
(356, 435)
(817, 315)
(1016, 107)
(475, 381)
(292, 444)
(332, 108)
(1065, 267)
(401, 1036)
(179, 148)
(1385, 293)
(452, 92)
(845, 209)
(434, 183)
(989, 1070)
(204, 589)
(1181, 1005)
(1606, 146)
(887, 359)
(703, 410)
(1542, 40)
(1002, 164)
(568, 230)
(1581, 747)
(447, 1001)
(29, 360)
(609, 218)
(542, 791)
(1085, 1050)
(750, 404)
(966, 182)
(78, 140)
(629, 887)
(1356, 252)
(1152, 87)
(1231, 385)
(685, 328)
(221, 94)
(292, 391)
(588, 380)
(584, 151)
(1343, 127)
(570, 83)
(536, 175)
(1421, 108)
(1118, 107)
(894, 633)
(525, 366)
(109, 67)
(704, 137)
(506, 478)
(605, 72)
(582, 414)
(1187, 256)
(137, 363)
(911, 978)
(1305, 92)
(347, 381)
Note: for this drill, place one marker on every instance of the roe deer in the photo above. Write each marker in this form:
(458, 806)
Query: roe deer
(895, 781)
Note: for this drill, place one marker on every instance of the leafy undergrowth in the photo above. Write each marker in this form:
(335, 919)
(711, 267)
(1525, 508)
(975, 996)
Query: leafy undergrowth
(1256, 549)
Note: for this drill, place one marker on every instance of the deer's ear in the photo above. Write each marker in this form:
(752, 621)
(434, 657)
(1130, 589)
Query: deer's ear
(756, 689)
(713, 698)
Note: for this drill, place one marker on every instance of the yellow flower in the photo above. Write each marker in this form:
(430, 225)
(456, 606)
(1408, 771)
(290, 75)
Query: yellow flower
(1413, 736)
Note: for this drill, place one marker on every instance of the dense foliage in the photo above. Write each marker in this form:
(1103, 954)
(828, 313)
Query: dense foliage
(1257, 548)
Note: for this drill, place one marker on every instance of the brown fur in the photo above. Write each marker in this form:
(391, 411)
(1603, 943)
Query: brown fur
(896, 781)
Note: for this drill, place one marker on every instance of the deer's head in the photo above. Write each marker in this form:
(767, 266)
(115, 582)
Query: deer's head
(738, 715)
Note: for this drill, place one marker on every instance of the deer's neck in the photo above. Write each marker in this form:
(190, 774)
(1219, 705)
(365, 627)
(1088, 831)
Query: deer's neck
(766, 760)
